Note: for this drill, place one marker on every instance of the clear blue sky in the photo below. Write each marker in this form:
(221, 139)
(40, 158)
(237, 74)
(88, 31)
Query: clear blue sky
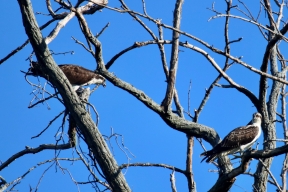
(146, 135)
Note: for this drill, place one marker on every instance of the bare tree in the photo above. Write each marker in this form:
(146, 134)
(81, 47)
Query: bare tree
(270, 100)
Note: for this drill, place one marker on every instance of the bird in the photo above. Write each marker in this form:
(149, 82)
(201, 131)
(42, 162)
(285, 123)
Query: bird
(238, 140)
(78, 76)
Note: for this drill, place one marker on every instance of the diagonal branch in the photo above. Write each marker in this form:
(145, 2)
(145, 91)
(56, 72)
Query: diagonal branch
(91, 134)
(29, 150)
(242, 89)
(173, 120)
(271, 175)
(25, 43)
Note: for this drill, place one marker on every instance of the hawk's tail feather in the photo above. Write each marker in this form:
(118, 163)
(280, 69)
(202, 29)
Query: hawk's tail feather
(209, 156)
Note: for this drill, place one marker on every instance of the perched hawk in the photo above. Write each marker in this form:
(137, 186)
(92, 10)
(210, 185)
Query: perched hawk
(239, 139)
(78, 76)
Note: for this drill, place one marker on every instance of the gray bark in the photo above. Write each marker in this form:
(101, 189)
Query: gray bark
(86, 125)
(269, 128)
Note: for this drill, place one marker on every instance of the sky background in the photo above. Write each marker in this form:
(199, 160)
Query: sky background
(144, 132)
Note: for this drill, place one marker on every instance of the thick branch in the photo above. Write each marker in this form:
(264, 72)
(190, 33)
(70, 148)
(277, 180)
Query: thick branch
(174, 121)
(264, 66)
(91, 134)
(269, 130)
(247, 156)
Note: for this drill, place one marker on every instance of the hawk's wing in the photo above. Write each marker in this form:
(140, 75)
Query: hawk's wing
(236, 138)
(240, 136)
(76, 74)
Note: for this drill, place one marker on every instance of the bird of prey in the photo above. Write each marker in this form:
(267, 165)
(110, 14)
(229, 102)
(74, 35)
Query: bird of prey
(238, 140)
(78, 76)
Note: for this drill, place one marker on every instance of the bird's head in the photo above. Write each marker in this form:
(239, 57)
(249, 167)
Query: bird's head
(101, 80)
(257, 118)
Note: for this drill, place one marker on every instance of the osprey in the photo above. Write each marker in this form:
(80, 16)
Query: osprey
(239, 139)
(78, 76)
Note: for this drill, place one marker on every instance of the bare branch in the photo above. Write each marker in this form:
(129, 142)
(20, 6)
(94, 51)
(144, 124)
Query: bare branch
(102, 30)
(16, 181)
(267, 6)
(250, 21)
(42, 176)
(42, 100)
(189, 159)
(284, 173)
(14, 51)
(123, 166)
(91, 171)
(25, 43)
(58, 27)
(167, 101)
(49, 7)
(280, 140)
(246, 158)
(83, 120)
(29, 150)
(139, 21)
(50, 123)
(144, 7)
(82, 44)
(271, 175)
(172, 180)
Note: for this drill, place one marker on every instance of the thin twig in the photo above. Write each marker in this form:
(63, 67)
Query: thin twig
(49, 124)
(18, 180)
(82, 44)
(29, 150)
(144, 7)
(42, 100)
(123, 166)
(102, 30)
(42, 176)
(96, 113)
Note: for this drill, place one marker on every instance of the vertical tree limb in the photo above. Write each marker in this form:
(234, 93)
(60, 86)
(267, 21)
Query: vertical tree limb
(162, 52)
(268, 110)
(166, 103)
(284, 122)
(172, 180)
(72, 132)
(189, 160)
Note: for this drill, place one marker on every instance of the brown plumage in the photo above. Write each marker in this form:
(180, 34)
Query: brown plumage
(78, 76)
(238, 139)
